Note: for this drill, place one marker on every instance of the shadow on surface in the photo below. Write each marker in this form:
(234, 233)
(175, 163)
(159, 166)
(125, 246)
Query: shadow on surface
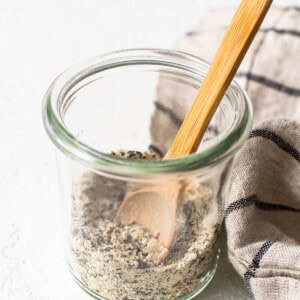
(227, 284)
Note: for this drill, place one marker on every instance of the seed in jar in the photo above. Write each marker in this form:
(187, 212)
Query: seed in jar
(134, 154)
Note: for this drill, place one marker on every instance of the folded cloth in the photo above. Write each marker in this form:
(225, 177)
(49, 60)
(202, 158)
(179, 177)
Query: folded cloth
(263, 211)
(263, 207)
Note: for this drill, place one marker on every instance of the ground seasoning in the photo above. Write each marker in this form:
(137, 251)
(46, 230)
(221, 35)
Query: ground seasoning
(122, 262)
(135, 154)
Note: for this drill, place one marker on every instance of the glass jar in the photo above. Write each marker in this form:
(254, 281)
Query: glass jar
(136, 100)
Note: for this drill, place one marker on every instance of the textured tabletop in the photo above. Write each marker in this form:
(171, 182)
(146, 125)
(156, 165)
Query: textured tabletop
(38, 40)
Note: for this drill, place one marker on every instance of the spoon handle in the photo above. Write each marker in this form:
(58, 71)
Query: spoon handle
(228, 58)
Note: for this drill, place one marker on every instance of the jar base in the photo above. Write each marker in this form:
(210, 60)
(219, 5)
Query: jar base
(203, 283)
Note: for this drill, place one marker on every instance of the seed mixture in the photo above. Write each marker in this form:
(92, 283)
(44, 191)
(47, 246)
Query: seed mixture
(128, 262)
(135, 154)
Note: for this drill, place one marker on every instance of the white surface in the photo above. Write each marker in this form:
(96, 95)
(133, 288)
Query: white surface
(38, 40)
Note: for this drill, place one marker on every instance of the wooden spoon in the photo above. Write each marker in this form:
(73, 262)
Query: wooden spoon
(156, 208)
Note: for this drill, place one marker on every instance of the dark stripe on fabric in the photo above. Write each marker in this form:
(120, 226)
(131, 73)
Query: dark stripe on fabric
(156, 150)
(214, 129)
(281, 143)
(245, 202)
(297, 8)
(282, 31)
(178, 121)
(239, 204)
(175, 119)
(191, 33)
(255, 264)
(292, 32)
(270, 83)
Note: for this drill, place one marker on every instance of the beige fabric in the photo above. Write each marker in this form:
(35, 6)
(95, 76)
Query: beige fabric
(263, 207)
(263, 211)
(274, 57)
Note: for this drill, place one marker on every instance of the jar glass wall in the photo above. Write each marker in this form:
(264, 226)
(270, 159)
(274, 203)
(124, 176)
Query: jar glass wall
(136, 100)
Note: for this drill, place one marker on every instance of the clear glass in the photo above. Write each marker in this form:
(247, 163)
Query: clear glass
(135, 100)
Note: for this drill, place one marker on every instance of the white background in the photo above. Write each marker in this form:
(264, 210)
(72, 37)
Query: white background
(38, 40)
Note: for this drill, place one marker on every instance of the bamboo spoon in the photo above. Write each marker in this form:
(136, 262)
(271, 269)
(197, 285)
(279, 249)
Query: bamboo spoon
(156, 208)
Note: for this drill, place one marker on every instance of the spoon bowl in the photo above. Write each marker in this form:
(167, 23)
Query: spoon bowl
(149, 206)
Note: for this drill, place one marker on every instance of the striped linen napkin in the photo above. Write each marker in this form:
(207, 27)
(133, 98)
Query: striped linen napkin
(262, 214)
(263, 211)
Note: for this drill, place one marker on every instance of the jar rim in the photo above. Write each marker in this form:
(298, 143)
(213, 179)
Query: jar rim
(103, 162)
